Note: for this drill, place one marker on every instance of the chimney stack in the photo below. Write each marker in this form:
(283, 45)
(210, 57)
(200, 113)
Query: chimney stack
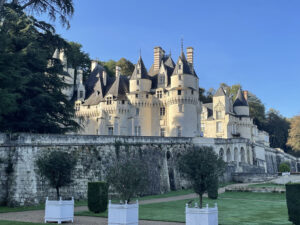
(245, 95)
(94, 64)
(158, 55)
(118, 71)
(190, 55)
(104, 76)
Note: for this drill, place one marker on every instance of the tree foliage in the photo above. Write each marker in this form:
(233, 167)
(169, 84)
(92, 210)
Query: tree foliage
(128, 177)
(277, 126)
(30, 85)
(63, 9)
(78, 59)
(294, 133)
(202, 167)
(127, 67)
(206, 96)
(57, 167)
(284, 167)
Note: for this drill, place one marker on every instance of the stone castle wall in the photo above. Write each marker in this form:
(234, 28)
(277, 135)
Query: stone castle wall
(21, 184)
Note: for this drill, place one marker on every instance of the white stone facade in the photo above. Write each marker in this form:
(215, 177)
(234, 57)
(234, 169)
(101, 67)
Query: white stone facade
(163, 101)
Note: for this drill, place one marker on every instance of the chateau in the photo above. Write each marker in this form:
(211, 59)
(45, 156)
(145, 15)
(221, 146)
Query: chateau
(163, 101)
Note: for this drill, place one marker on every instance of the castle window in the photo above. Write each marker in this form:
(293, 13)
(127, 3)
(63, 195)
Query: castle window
(137, 131)
(180, 108)
(138, 71)
(179, 132)
(219, 115)
(147, 96)
(110, 131)
(136, 95)
(178, 92)
(179, 77)
(137, 82)
(192, 92)
(162, 132)
(137, 111)
(219, 127)
(81, 94)
(123, 102)
(89, 106)
(108, 100)
(202, 128)
(179, 66)
(162, 79)
(162, 111)
(159, 94)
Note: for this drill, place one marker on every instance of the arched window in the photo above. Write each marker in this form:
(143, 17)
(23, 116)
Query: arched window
(221, 153)
(228, 155)
(168, 155)
(236, 154)
(243, 155)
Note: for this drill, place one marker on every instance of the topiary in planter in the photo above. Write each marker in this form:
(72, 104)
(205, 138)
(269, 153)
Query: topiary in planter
(97, 196)
(293, 202)
(284, 167)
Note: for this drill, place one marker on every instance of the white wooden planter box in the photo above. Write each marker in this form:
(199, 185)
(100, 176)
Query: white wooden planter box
(123, 214)
(59, 211)
(204, 216)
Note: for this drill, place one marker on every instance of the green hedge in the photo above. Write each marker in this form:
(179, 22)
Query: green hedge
(293, 202)
(284, 167)
(212, 190)
(97, 196)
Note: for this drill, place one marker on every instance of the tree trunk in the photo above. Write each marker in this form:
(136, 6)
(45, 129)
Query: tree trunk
(200, 205)
(57, 193)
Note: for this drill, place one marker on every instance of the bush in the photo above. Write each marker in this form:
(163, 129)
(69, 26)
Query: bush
(212, 190)
(97, 196)
(293, 202)
(284, 167)
(128, 177)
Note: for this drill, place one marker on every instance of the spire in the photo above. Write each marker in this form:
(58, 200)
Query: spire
(140, 71)
(240, 99)
(181, 45)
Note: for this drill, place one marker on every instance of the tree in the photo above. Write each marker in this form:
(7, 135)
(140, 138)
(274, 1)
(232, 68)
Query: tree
(128, 177)
(278, 127)
(78, 59)
(294, 133)
(29, 77)
(127, 67)
(63, 9)
(206, 96)
(57, 167)
(202, 167)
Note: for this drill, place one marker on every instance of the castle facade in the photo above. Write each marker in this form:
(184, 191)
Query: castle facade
(163, 101)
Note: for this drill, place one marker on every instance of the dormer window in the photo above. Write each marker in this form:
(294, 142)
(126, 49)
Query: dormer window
(162, 79)
(159, 94)
(137, 71)
(137, 82)
(180, 66)
(179, 77)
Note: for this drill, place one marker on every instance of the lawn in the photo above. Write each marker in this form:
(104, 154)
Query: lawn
(235, 208)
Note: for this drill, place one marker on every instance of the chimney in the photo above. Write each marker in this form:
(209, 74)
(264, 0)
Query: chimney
(190, 55)
(158, 55)
(118, 71)
(104, 76)
(245, 95)
(94, 64)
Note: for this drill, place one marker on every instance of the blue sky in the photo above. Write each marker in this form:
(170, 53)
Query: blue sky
(252, 42)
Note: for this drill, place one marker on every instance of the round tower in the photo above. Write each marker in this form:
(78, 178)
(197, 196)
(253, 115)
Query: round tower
(240, 105)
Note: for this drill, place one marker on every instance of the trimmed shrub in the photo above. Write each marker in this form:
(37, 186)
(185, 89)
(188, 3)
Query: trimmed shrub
(293, 202)
(212, 190)
(284, 167)
(97, 196)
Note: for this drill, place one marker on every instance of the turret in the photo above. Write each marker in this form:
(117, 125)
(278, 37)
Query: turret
(140, 80)
(240, 105)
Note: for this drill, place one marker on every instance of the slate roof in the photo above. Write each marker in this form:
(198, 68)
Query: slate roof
(220, 92)
(187, 67)
(209, 107)
(240, 99)
(119, 88)
(143, 71)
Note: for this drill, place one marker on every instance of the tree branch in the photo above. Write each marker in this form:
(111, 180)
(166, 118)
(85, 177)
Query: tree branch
(27, 4)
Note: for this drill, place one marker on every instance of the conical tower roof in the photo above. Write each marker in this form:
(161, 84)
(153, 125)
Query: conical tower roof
(240, 99)
(140, 71)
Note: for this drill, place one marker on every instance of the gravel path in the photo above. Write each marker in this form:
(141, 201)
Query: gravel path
(38, 215)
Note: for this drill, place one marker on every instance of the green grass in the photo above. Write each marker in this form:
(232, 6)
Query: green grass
(235, 208)
(267, 185)
(6, 209)
(5, 222)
